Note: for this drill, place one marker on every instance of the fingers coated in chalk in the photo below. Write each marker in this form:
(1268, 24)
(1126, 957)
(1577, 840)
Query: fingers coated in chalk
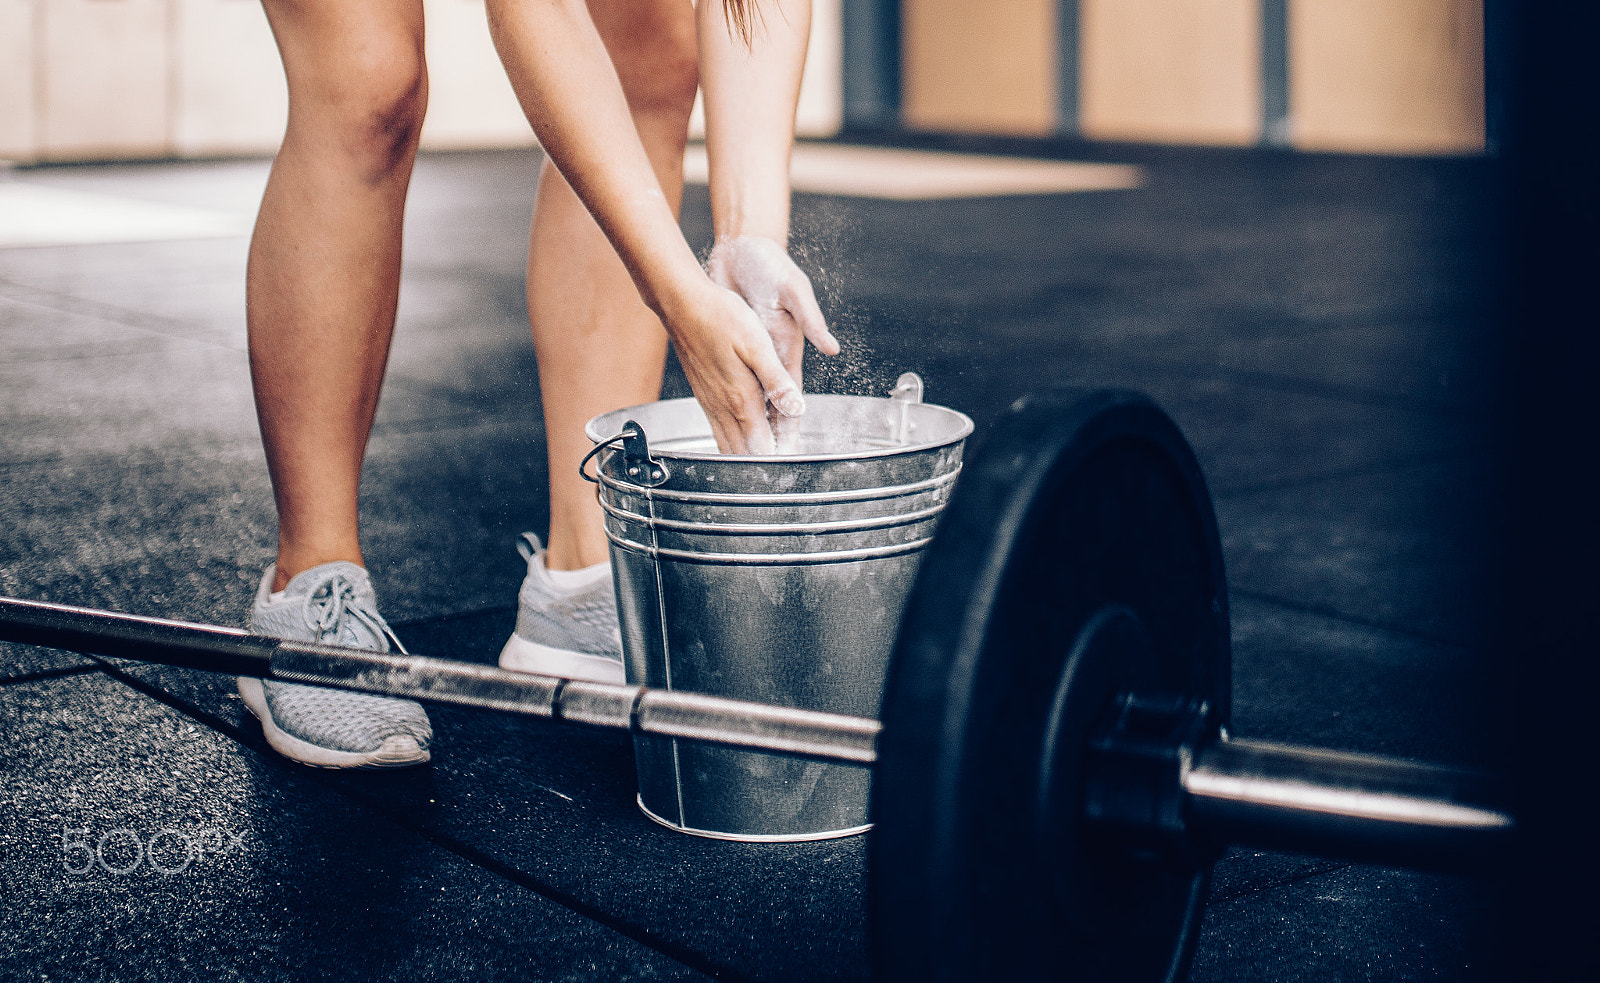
(803, 307)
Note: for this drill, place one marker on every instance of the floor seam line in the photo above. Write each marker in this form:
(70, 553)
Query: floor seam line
(57, 673)
(1297, 879)
(463, 851)
(1336, 615)
(458, 398)
(1387, 465)
(1275, 382)
(456, 616)
(252, 444)
(128, 317)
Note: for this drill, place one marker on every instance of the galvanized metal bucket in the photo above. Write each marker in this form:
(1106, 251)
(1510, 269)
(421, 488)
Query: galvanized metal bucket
(778, 579)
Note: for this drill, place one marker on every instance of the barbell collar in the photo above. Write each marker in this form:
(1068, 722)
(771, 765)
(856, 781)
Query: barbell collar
(610, 706)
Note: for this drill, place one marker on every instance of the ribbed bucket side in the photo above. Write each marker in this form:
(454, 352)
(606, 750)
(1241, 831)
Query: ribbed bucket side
(779, 580)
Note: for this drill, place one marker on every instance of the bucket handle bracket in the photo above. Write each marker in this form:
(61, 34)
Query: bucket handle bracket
(637, 464)
(907, 388)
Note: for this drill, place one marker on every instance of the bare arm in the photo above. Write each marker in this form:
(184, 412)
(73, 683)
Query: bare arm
(564, 79)
(751, 94)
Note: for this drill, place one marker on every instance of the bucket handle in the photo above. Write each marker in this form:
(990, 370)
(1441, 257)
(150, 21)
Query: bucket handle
(641, 468)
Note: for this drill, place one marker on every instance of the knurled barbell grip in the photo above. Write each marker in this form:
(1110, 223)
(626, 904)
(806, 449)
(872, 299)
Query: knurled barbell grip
(613, 706)
(129, 636)
(1233, 791)
(691, 716)
(1356, 806)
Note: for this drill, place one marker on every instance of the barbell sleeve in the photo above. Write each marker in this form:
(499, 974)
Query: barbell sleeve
(612, 706)
(1355, 806)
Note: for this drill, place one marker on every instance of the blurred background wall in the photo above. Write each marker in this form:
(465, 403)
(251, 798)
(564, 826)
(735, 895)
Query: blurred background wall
(1384, 76)
(109, 79)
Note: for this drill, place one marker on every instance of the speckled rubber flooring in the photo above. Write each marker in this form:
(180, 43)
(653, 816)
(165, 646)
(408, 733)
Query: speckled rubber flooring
(1317, 325)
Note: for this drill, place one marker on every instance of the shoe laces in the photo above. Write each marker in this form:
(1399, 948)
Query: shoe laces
(335, 598)
(528, 545)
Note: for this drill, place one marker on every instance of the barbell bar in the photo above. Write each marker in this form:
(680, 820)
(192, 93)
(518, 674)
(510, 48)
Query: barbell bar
(1239, 791)
(611, 706)
(1054, 774)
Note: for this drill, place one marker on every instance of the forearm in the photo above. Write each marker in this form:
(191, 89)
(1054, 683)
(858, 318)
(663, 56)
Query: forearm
(750, 99)
(563, 76)
(564, 79)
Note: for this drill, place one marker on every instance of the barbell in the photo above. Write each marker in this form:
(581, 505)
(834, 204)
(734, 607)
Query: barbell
(1053, 775)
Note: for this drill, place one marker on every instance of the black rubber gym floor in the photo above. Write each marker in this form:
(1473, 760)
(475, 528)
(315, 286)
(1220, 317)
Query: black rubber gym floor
(1319, 326)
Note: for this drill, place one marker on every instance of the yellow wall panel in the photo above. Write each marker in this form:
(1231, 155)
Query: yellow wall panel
(1386, 76)
(17, 96)
(979, 66)
(105, 79)
(1183, 71)
(470, 102)
(821, 109)
(229, 95)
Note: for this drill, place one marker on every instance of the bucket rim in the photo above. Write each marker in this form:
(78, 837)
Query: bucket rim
(598, 434)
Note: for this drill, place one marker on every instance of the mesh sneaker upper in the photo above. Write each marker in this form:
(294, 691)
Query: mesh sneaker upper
(333, 604)
(583, 619)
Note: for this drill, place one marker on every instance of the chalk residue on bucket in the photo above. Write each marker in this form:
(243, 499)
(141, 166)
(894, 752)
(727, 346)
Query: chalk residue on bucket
(837, 426)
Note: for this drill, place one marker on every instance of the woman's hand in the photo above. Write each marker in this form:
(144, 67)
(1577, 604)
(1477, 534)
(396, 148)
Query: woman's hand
(563, 76)
(732, 366)
(758, 270)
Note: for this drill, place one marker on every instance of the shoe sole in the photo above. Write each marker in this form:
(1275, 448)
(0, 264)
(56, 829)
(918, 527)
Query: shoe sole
(521, 655)
(395, 752)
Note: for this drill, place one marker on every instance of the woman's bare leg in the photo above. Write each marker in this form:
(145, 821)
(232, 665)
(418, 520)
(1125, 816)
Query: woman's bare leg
(324, 265)
(599, 347)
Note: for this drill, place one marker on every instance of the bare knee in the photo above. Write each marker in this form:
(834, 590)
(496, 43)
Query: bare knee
(653, 47)
(666, 86)
(366, 106)
(392, 126)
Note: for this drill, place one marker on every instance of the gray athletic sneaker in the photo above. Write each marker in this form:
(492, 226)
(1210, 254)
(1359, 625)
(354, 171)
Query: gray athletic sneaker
(332, 604)
(570, 633)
